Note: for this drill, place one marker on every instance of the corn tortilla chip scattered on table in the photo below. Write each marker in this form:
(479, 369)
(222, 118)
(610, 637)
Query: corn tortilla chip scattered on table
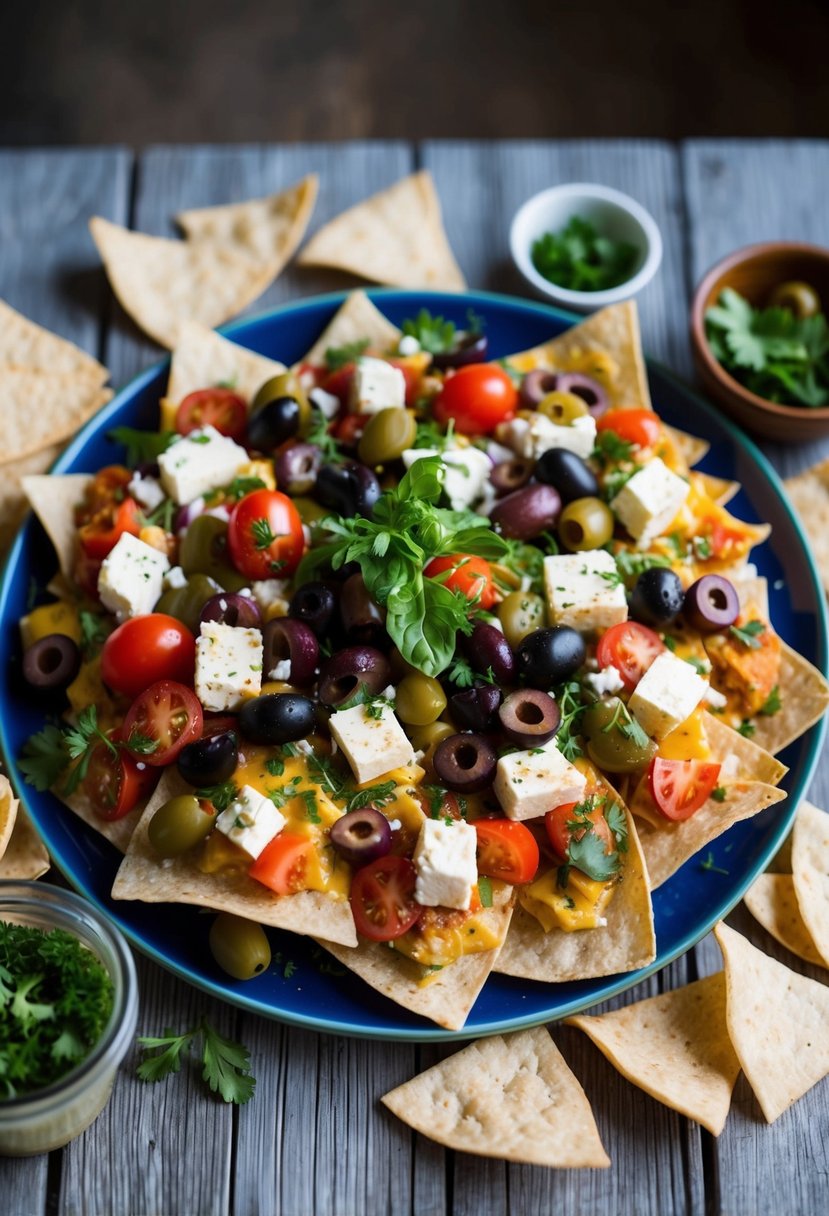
(23, 343)
(356, 320)
(772, 901)
(395, 236)
(25, 856)
(38, 409)
(809, 495)
(675, 1047)
(53, 498)
(810, 870)
(202, 358)
(13, 501)
(777, 1022)
(268, 228)
(510, 1096)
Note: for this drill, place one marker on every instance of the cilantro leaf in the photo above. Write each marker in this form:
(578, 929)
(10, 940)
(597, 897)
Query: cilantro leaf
(338, 356)
(375, 795)
(44, 758)
(772, 704)
(581, 259)
(226, 1066)
(143, 447)
(220, 795)
(748, 634)
(171, 1047)
(485, 890)
(94, 631)
(586, 849)
(436, 335)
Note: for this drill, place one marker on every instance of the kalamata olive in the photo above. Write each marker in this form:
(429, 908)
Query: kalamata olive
(465, 763)
(536, 385)
(240, 611)
(296, 468)
(511, 475)
(314, 604)
(711, 603)
(590, 391)
(549, 656)
(277, 717)
(529, 717)
(239, 946)
(469, 347)
(277, 421)
(51, 663)
(657, 597)
(568, 473)
(361, 836)
(527, 512)
(291, 651)
(211, 760)
(363, 619)
(180, 824)
(487, 647)
(349, 489)
(342, 674)
(475, 708)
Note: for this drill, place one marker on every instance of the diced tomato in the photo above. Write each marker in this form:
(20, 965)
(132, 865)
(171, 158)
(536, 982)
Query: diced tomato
(115, 783)
(340, 383)
(725, 540)
(506, 850)
(680, 787)
(476, 399)
(471, 575)
(264, 536)
(220, 408)
(349, 428)
(283, 863)
(100, 534)
(560, 834)
(161, 721)
(412, 369)
(640, 427)
(382, 898)
(108, 486)
(630, 648)
(146, 649)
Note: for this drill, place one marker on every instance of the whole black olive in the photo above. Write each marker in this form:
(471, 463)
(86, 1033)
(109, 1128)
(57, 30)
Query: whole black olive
(293, 642)
(342, 674)
(549, 656)
(475, 708)
(210, 760)
(711, 603)
(361, 836)
(349, 489)
(228, 608)
(465, 763)
(363, 620)
(567, 473)
(529, 717)
(277, 717)
(51, 663)
(314, 604)
(486, 647)
(273, 424)
(657, 597)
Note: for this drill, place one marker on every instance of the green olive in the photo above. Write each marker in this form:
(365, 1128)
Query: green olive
(608, 746)
(387, 435)
(239, 946)
(586, 523)
(203, 550)
(420, 700)
(426, 738)
(799, 298)
(286, 384)
(186, 603)
(520, 613)
(180, 824)
(310, 510)
(562, 408)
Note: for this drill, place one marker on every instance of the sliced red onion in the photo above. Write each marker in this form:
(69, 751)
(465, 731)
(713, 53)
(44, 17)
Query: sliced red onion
(585, 387)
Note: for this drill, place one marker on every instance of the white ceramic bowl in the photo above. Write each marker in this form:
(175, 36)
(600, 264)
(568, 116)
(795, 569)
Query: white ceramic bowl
(613, 214)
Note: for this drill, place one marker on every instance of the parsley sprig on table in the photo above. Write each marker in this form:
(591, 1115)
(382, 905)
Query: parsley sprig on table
(225, 1064)
(580, 259)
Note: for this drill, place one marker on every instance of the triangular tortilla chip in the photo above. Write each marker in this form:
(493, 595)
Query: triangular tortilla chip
(612, 333)
(202, 358)
(25, 855)
(38, 409)
(804, 699)
(777, 1022)
(53, 498)
(810, 869)
(719, 489)
(395, 237)
(691, 448)
(743, 758)
(162, 283)
(357, 320)
(510, 1096)
(178, 880)
(8, 813)
(674, 1046)
(772, 901)
(13, 501)
(25, 344)
(809, 495)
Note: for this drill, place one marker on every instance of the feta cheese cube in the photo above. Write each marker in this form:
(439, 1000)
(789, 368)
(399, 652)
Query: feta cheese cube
(200, 462)
(175, 579)
(667, 693)
(532, 437)
(131, 577)
(647, 503)
(605, 682)
(228, 665)
(146, 490)
(327, 404)
(715, 699)
(584, 590)
(445, 864)
(530, 783)
(372, 746)
(467, 472)
(251, 821)
(377, 386)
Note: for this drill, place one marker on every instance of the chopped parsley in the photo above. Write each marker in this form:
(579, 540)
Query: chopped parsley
(709, 864)
(337, 357)
(220, 796)
(374, 795)
(772, 704)
(580, 258)
(719, 794)
(748, 634)
(143, 447)
(746, 728)
(485, 890)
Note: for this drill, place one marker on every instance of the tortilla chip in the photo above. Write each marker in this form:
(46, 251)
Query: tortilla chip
(675, 1047)
(53, 498)
(202, 358)
(691, 447)
(117, 831)
(144, 876)
(356, 321)
(719, 489)
(25, 855)
(746, 759)
(809, 495)
(772, 901)
(38, 409)
(810, 869)
(25, 344)
(804, 699)
(395, 237)
(612, 332)
(625, 943)
(777, 1022)
(511, 1097)
(8, 813)
(753, 590)
(448, 997)
(13, 501)
(163, 283)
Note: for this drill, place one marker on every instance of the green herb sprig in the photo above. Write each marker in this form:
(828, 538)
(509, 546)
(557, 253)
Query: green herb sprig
(225, 1064)
(581, 259)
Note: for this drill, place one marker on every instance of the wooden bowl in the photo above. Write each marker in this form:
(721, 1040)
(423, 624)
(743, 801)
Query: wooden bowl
(754, 272)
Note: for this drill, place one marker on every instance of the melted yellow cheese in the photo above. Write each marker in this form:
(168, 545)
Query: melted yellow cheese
(87, 689)
(688, 741)
(579, 905)
(60, 617)
(439, 945)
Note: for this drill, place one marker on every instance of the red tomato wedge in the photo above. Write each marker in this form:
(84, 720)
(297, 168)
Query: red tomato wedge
(282, 864)
(640, 427)
(265, 536)
(630, 648)
(146, 649)
(217, 407)
(506, 850)
(161, 721)
(476, 399)
(115, 783)
(382, 898)
(472, 576)
(102, 532)
(680, 787)
(560, 834)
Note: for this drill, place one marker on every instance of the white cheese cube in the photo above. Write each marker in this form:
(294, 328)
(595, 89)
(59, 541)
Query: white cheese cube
(445, 864)
(467, 472)
(530, 783)
(132, 577)
(228, 665)
(251, 821)
(584, 590)
(532, 437)
(605, 682)
(715, 699)
(377, 386)
(175, 579)
(667, 693)
(200, 462)
(327, 404)
(372, 746)
(147, 491)
(648, 502)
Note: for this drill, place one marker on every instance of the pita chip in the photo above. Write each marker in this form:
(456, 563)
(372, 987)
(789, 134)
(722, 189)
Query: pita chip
(38, 409)
(810, 867)
(268, 228)
(202, 358)
(772, 901)
(25, 344)
(25, 856)
(13, 501)
(357, 320)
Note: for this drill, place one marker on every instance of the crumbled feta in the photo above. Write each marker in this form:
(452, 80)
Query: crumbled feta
(147, 491)
(445, 864)
(175, 579)
(280, 670)
(648, 502)
(408, 345)
(132, 577)
(377, 386)
(327, 404)
(467, 472)
(584, 590)
(251, 821)
(530, 783)
(372, 746)
(715, 699)
(200, 462)
(667, 693)
(532, 437)
(605, 682)
(228, 665)
(270, 595)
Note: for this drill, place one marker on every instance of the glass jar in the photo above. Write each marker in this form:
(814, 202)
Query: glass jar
(48, 1118)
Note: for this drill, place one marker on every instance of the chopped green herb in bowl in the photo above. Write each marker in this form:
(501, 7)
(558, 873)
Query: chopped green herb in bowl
(579, 258)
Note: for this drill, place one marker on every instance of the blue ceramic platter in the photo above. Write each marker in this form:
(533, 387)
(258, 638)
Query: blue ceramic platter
(685, 907)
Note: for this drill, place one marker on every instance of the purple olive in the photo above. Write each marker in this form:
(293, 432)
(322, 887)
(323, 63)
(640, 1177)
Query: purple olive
(475, 708)
(296, 468)
(585, 387)
(527, 513)
(314, 604)
(487, 647)
(529, 717)
(349, 489)
(51, 663)
(227, 608)
(287, 640)
(342, 674)
(465, 763)
(363, 620)
(536, 385)
(511, 475)
(568, 473)
(711, 603)
(361, 836)
(470, 347)
(548, 656)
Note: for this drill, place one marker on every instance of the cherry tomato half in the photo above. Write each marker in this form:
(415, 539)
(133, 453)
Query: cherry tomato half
(560, 833)
(161, 721)
(100, 534)
(476, 399)
(640, 427)
(264, 536)
(146, 649)
(382, 898)
(340, 383)
(115, 783)
(282, 864)
(472, 576)
(680, 787)
(506, 850)
(630, 648)
(216, 407)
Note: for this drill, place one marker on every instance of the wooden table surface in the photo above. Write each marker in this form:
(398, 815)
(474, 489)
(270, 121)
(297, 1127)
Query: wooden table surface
(315, 1139)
